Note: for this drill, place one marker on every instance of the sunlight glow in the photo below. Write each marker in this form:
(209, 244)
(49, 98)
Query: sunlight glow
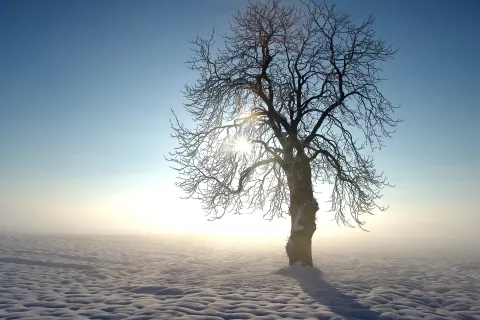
(242, 145)
(157, 208)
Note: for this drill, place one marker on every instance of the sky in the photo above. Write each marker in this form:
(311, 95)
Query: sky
(86, 89)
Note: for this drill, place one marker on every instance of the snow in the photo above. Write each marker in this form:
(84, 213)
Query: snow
(87, 277)
(298, 217)
(296, 223)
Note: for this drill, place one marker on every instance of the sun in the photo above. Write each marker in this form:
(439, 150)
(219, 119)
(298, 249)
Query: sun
(242, 145)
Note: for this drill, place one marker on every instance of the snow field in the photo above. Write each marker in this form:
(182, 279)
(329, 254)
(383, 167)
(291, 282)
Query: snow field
(87, 277)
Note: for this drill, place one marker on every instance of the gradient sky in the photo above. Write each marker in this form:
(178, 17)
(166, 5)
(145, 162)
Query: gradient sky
(86, 89)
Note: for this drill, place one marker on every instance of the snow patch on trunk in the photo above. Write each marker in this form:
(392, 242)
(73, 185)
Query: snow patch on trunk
(296, 222)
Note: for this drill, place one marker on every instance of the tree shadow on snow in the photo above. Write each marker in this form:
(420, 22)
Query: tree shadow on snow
(312, 283)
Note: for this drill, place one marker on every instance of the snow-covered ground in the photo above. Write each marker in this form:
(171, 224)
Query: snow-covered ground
(164, 278)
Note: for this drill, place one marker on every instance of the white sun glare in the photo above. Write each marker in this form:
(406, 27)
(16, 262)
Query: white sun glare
(242, 145)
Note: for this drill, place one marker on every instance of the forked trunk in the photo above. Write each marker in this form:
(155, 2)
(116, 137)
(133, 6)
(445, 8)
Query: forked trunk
(303, 208)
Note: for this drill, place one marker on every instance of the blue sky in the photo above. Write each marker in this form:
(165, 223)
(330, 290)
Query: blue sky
(87, 88)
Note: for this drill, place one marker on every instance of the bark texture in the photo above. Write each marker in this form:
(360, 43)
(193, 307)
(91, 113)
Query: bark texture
(303, 208)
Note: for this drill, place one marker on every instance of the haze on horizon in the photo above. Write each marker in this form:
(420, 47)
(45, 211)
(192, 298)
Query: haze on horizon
(85, 99)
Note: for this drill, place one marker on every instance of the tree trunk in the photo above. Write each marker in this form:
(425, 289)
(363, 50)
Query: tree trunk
(303, 208)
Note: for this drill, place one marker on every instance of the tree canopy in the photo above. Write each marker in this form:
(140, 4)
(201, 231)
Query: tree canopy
(285, 82)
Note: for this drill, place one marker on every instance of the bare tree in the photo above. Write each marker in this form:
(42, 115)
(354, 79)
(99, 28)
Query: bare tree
(289, 100)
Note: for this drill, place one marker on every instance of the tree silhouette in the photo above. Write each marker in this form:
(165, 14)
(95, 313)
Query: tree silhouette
(299, 86)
